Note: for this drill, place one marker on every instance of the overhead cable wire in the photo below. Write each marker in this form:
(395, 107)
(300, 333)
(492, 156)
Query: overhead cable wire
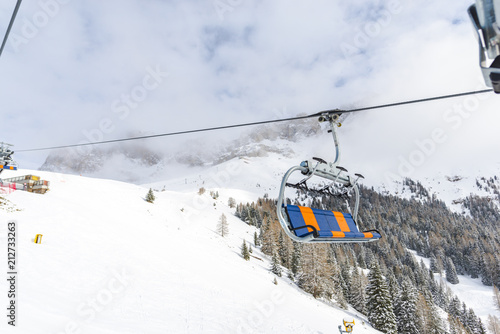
(11, 23)
(442, 97)
(336, 111)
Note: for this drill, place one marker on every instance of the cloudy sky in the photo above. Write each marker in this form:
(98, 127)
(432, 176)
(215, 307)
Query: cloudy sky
(78, 71)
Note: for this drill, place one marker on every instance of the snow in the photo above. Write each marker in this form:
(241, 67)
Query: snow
(110, 262)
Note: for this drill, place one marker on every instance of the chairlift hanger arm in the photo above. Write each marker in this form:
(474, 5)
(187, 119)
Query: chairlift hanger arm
(11, 23)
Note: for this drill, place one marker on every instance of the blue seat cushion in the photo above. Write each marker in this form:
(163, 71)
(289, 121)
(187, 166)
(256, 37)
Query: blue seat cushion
(328, 224)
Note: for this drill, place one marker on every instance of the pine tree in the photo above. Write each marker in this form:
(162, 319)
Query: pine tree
(256, 241)
(431, 322)
(464, 317)
(481, 329)
(339, 286)
(473, 323)
(244, 251)
(486, 273)
(406, 310)
(244, 213)
(345, 276)
(295, 262)
(444, 298)
(150, 196)
(454, 307)
(451, 272)
(268, 243)
(394, 289)
(237, 212)
(361, 259)
(433, 286)
(276, 265)
(379, 305)
(356, 296)
(283, 249)
(421, 276)
(456, 326)
(223, 226)
(434, 266)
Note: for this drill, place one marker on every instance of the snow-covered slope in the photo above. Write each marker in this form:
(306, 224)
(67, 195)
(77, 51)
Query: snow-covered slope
(110, 262)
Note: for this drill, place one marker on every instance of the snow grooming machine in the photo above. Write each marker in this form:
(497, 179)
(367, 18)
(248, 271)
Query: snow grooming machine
(484, 15)
(304, 224)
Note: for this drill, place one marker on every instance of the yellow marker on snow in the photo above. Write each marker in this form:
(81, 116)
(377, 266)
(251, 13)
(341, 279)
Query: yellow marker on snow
(348, 324)
(38, 239)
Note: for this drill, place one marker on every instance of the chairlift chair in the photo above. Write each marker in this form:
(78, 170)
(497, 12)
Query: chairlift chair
(6, 161)
(304, 224)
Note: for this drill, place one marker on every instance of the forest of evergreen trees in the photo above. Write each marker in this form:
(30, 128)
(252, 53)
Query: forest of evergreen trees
(383, 280)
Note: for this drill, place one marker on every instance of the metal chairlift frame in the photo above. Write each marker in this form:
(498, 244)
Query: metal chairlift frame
(484, 15)
(328, 170)
(6, 161)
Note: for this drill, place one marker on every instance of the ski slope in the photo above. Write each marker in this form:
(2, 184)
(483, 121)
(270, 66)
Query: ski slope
(110, 262)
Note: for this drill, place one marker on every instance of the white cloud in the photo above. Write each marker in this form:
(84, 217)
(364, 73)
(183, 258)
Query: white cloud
(253, 61)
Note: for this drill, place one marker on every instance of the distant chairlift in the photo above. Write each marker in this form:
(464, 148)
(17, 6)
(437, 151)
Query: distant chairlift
(304, 224)
(485, 15)
(6, 161)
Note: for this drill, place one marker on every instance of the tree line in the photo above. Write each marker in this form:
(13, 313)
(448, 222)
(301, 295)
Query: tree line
(383, 280)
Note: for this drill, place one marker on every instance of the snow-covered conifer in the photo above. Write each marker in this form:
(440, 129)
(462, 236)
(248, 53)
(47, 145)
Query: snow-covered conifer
(295, 262)
(434, 265)
(451, 272)
(268, 241)
(283, 250)
(339, 286)
(244, 251)
(276, 265)
(405, 309)
(256, 240)
(356, 296)
(379, 305)
(150, 196)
